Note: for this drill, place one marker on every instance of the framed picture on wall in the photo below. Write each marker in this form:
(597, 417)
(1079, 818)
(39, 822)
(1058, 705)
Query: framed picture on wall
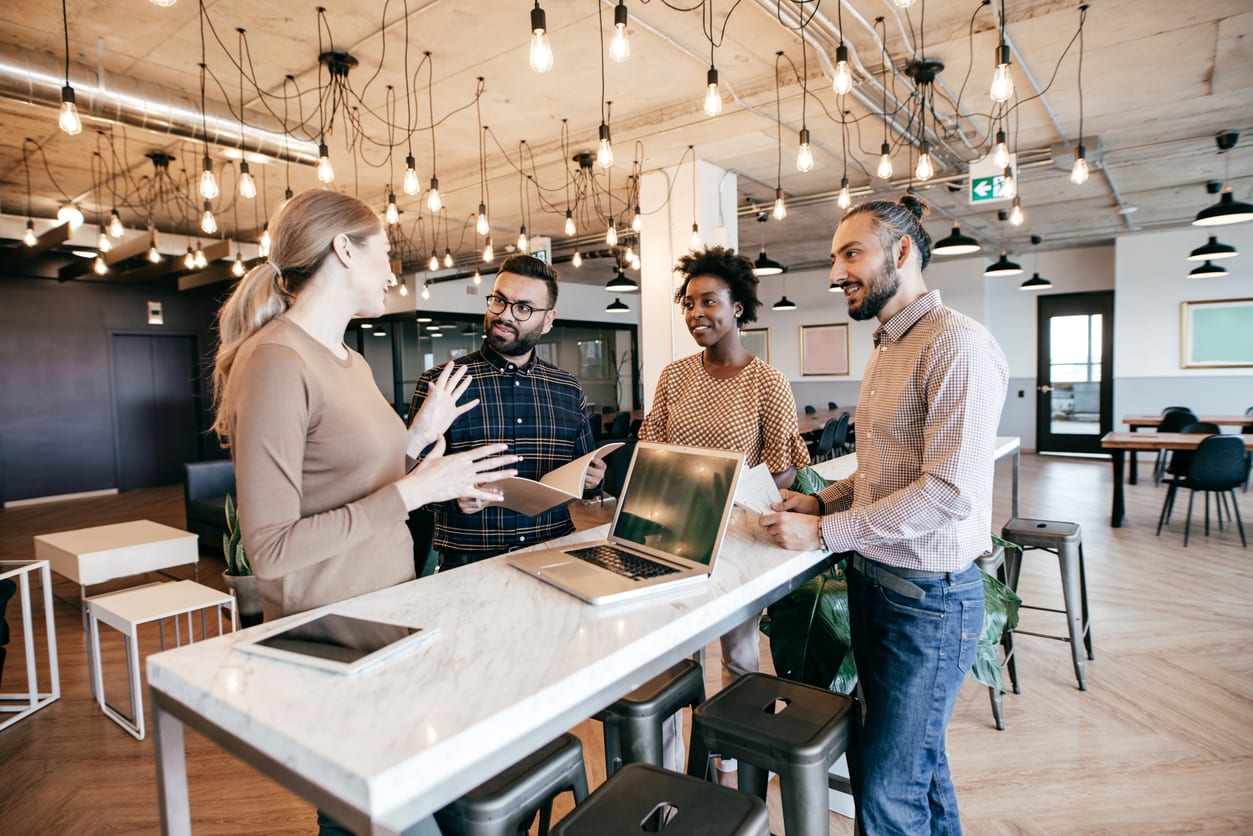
(824, 349)
(1217, 334)
(757, 341)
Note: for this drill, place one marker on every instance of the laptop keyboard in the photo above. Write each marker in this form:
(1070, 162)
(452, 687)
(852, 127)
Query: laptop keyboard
(622, 562)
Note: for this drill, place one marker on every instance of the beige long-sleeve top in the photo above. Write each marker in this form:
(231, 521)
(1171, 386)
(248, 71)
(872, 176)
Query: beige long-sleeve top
(317, 450)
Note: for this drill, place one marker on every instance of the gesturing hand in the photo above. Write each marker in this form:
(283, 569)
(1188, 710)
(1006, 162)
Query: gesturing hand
(799, 502)
(467, 474)
(440, 408)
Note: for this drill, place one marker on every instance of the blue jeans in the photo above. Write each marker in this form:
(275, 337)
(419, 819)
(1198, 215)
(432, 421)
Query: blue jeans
(912, 654)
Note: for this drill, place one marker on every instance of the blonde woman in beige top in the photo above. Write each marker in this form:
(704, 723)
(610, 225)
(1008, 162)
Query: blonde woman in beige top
(724, 397)
(320, 456)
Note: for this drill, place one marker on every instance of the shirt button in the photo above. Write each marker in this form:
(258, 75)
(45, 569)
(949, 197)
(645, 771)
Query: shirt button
(522, 539)
(519, 420)
(516, 383)
(511, 367)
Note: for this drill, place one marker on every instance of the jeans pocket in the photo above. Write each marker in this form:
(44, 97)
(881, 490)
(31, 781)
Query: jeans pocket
(972, 628)
(930, 606)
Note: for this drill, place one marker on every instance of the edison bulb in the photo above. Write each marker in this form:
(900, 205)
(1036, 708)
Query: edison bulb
(804, 158)
(885, 171)
(1079, 171)
(103, 244)
(478, 278)
(620, 46)
(247, 186)
(326, 172)
(237, 267)
(263, 247)
(1009, 185)
(637, 220)
(426, 290)
(448, 259)
(611, 234)
(604, 150)
(481, 225)
(842, 82)
(1015, 214)
(541, 49)
(780, 208)
(1002, 89)
(845, 199)
(69, 121)
(925, 169)
(70, 214)
(99, 266)
(116, 230)
(695, 242)
(410, 184)
(208, 223)
(189, 260)
(903, 4)
(524, 244)
(392, 215)
(577, 260)
(433, 263)
(154, 255)
(570, 228)
(488, 253)
(200, 259)
(433, 201)
(713, 100)
(208, 182)
(404, 288)
(28, 237)
(1000, 152)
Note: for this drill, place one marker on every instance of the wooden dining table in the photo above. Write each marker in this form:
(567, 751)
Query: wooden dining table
(1146, 420)
(1118, 443)
(815, 422)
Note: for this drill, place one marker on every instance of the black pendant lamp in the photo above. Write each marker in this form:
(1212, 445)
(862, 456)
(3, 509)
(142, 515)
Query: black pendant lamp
(1003, 267)
(1207, 270)
(955, 244)
(767, 266)
(1227, 210)
(1211, 250)
(621, 283)
(1036, 282)
(617, 306)
(784, 304)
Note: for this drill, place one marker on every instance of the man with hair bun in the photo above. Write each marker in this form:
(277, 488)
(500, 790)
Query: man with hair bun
(912, 518)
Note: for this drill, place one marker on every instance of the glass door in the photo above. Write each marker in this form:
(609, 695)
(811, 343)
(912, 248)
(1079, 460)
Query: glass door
(1074, 380)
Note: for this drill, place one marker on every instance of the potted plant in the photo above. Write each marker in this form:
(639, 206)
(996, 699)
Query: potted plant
(238, 576)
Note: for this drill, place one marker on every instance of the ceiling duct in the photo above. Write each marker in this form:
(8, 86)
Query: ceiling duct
(37, 79)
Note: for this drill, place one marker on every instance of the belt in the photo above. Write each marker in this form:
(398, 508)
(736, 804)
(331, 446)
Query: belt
(894, 578)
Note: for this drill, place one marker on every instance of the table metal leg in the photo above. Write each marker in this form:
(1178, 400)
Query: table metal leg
(1131, 474)
(1017, 467)
(32, 677)
(171, 762)
(50, 623)
(1118, 511)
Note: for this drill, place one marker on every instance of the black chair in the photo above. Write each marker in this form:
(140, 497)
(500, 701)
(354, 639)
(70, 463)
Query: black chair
(205, 487)
(620, 429)
(1218, 466)
(832, 405)
(1181, 460)
(1176, 409)
(1172, 422)
(833, 440)
(810, 410)
(8, 588)
(598, 429)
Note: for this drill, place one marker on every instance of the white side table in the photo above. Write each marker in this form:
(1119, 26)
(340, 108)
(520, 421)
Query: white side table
(125, 611)
(89, 556)
(22, 705)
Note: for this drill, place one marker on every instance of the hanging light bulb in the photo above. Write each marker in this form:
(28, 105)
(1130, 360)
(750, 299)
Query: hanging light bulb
(392, 215)
(481, 225)
(189, 260)
(208, 223)
(247, 186)
(433, 262)
(903, 4)
(199, 258)
(604, 151)
(695, 242)
(488, 253)
(326, 172)
(208, 181)
(713, 98)
(780, 208)
(69, 121)
(1079, 171)
(804, 156)
(237, 266)
(1000, 151)
(1015, 214)
(448, 259)
(926, 169)
(478, 277)
(433, 201)
(426, 290)
(637, 220)
(28, 237)
(629, 253)
(263, 247)
(577, 260)
(410, 185)
(404, 288)
(620, 47)
(541, 50)
(842, 83)
(1009, 184)
(633, 259)
(1002, 88)
(611, 234)
(845, 199)
(165, 4)
(116, 230)
(154, 255)
(70, 214)
(524, 245)
(103, 244)
(570, 229)
(99, 266)
(885, 162)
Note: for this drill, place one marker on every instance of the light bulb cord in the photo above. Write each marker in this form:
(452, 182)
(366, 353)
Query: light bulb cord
(65, 28)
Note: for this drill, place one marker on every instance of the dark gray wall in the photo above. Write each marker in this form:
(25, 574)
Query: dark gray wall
(56, 404)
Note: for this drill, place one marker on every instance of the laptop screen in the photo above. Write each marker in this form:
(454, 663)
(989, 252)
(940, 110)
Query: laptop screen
(675, 501)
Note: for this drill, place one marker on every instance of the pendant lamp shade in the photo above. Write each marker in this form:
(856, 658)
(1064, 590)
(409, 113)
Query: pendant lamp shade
(1227, 210)
(766, 266)
(1003, 267)
(784, 304)
(955, 243)
(1211, 250)
(621, 283)
(1207, 270)
(1036, 282)
(617, 306)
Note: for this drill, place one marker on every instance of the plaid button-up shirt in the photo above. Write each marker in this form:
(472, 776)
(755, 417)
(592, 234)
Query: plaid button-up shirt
(540, 411)
(930, 402)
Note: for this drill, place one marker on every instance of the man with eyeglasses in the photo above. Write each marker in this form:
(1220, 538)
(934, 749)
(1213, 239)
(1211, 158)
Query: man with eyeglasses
(539, 410)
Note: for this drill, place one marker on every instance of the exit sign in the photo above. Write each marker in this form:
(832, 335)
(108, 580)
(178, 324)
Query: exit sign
(987, 180)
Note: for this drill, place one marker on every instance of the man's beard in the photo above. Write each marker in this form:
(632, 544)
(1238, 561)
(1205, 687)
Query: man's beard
(882, 288)
(521, 342)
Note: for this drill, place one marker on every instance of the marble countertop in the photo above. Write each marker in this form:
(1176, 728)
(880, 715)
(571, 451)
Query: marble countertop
(843, 467)
(516, 663)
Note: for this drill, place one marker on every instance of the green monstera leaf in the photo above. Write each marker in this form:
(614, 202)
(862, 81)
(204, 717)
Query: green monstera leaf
(808, 633)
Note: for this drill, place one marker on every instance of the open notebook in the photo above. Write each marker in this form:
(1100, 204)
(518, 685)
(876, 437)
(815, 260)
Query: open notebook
(666, 532)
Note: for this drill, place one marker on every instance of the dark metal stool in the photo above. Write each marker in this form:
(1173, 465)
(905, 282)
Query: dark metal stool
(995, 564)
(645, 798)
(773, 724)
(1064, 540)
(633, 724)
(497, 806)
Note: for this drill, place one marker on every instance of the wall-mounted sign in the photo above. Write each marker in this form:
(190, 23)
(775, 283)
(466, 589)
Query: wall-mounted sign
(987, 179)
(155, 317)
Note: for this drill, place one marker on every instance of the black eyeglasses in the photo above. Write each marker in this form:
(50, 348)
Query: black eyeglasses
(521, 310)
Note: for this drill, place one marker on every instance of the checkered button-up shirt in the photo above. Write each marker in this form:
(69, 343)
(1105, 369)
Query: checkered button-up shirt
(930, 402)
(540, 411)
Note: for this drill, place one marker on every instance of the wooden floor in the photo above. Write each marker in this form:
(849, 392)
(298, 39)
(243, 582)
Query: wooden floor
(1161, 742)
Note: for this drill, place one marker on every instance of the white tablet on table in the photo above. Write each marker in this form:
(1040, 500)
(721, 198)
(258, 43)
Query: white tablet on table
(338, 643)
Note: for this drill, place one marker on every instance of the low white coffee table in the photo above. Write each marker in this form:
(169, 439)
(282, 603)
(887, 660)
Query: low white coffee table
(23, 704)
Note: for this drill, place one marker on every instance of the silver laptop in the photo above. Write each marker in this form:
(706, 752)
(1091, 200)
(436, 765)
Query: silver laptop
(666, 532)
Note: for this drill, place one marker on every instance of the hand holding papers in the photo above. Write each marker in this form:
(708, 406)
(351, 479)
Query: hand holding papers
(757, 490)
(557, 487)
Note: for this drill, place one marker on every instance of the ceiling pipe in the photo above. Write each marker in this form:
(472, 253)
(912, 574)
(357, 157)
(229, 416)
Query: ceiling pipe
(35, 79)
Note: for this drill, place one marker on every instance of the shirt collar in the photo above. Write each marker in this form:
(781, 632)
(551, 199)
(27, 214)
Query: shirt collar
(506, 366)
(904, 319)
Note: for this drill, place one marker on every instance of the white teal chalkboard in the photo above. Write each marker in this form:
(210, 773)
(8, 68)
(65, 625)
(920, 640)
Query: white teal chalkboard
(1217, 334)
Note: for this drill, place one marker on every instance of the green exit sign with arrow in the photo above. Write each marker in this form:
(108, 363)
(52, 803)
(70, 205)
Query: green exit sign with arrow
(984, 189)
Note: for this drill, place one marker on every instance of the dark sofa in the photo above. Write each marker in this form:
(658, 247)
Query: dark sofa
(204, 496)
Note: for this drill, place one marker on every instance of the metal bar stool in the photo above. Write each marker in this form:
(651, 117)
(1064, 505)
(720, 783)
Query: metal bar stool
(633, 724)
(643, 797)
(995, 564)
(772, 724)
(1064, 540)
(499, 805)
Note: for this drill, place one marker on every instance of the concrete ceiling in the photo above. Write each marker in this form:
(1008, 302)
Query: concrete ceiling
(1160, 79)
